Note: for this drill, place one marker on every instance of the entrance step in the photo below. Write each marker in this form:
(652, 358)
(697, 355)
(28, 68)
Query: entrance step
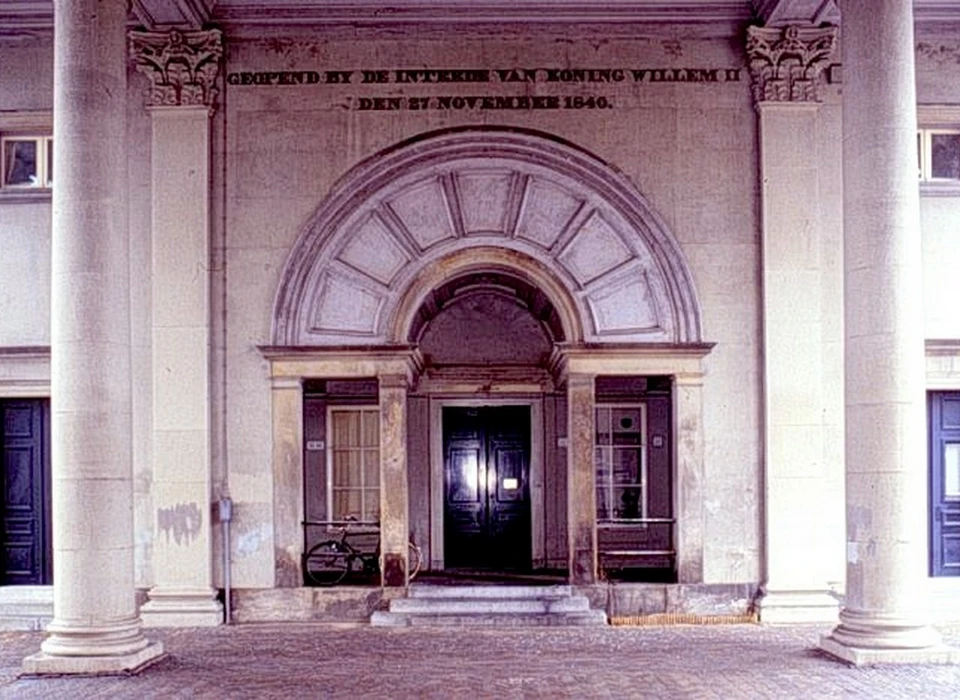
(25, 607)
(427, 605)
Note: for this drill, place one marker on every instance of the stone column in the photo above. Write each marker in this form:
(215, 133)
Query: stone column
(688, 419)
(394, 514)
(785, 66)
(883, 619)
(96, 626)
(581, 479)
(182, 69)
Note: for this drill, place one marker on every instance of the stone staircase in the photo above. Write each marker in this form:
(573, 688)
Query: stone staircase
(495, 605)
(25, 607)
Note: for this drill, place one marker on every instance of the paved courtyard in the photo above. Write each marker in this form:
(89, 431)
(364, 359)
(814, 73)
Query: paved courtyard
(324, 661)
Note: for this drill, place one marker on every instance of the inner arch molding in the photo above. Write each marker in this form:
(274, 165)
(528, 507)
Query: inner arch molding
(392, 226)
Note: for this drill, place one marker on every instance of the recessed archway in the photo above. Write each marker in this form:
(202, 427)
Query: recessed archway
(482, 200)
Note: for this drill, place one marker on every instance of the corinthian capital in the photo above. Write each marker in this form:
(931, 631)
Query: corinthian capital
(182, 66)
(785, 64)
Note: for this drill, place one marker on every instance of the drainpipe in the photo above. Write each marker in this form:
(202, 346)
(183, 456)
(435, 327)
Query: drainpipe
(225, 514)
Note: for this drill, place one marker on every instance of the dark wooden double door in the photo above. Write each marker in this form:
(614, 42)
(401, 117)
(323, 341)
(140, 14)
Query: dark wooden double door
(25, 547)
(945, 483)
(487, 488)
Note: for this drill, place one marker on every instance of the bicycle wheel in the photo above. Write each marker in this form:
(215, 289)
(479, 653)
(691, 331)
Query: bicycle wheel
(414, 559)
(327, 563)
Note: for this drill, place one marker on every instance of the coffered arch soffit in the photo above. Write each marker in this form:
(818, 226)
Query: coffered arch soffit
(559, 217)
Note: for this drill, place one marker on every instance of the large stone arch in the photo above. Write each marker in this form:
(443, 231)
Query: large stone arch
(410, 217)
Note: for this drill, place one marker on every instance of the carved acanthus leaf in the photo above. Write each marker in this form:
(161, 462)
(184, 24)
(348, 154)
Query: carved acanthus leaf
(182, 66)
(785, 64)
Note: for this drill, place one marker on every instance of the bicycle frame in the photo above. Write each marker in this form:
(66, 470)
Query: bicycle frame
(333, 559)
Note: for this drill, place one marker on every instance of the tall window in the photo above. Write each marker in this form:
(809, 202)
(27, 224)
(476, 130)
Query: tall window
(27, 162)
(621, 462)
(353, 464)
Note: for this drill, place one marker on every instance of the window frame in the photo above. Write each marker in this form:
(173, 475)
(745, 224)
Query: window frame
(933, 120)
(34, 126)
(642, 448)
(331, 446)
(44, 154)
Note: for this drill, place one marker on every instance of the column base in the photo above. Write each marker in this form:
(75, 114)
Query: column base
(861, 656)
(181, 608)
(44, 664)
(787, 607)
(871, 638)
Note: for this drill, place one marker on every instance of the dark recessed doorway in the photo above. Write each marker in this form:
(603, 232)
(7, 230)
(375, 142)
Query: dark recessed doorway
(486, 468)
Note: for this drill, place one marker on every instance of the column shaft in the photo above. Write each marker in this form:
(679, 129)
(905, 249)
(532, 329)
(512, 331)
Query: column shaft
(96, 625)
(394, 505)
(883, 618)
(581, 479)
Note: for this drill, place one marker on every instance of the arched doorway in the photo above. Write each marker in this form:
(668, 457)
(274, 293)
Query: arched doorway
(485, 268)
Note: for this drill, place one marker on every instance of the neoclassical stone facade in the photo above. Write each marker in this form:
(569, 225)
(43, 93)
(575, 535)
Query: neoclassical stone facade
(639, 299)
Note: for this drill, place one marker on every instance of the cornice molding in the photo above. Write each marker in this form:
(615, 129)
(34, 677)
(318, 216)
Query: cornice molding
(19, 16)
(785, 64)
(182, 66)
(480, 11)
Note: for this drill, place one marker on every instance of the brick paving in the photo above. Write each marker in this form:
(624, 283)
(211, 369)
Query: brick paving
(330, 661)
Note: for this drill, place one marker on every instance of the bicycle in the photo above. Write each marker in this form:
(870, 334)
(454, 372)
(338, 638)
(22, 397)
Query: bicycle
(329, 562)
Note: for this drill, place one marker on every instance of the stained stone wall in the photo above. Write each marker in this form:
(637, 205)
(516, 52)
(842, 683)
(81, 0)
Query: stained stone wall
(689, 149)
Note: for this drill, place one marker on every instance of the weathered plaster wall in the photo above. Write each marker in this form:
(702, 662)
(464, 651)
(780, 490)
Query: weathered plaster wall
(26, 84)
(940, 222)
(689, 148)
(25, 273)
(938, 83)
(26, 81)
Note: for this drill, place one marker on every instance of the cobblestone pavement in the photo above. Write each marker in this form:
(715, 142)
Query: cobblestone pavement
(324, 661)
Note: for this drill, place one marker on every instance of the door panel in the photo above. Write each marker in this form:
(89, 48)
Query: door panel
(486, 479)
(24, 488)
(945, 483)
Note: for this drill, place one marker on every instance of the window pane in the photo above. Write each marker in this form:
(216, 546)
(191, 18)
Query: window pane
(346, 468)
(602, 460)
(603, 504)
(346, 504)
(945, 156)
(346, 428)
(371, 468)
(371, 428)
(371, 505)
(20, 163)
(626, 466)
(627, 502)
(951, 470)
(49, 162)
(626, 420)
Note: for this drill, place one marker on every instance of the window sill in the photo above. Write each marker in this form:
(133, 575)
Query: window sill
(26, 196)
(940, 188)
